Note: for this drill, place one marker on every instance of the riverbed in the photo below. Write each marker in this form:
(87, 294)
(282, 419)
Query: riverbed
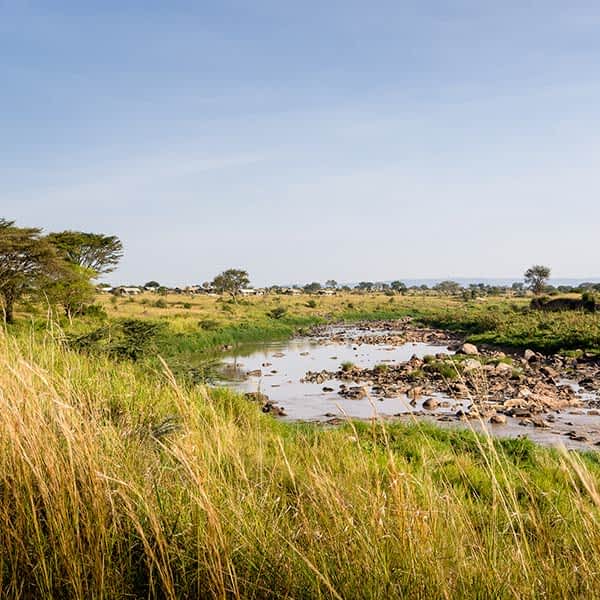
(278, 371)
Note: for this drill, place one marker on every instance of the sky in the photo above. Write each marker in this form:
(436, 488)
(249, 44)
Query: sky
(311, 140)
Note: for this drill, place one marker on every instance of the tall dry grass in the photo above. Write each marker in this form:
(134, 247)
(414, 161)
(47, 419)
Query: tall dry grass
(114, 484)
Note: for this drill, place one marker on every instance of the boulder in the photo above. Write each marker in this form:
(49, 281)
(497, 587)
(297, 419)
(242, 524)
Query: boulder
(415, 393)
(430, 404)
(529, 355)
(469, 349)
(471, 364)
(257, 397)
(498, 419)
(503, 369)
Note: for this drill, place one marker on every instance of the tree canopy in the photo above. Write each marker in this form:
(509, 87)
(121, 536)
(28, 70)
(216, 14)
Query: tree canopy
(398, 286)
(27, 260)
(94, 251)
(312, 288)
(231, 282)
(448, 287)
(536, 278)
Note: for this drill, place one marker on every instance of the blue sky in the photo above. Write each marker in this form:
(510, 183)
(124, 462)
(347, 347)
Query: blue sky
(308, 140)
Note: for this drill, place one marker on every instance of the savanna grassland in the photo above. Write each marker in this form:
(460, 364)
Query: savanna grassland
(206, 322)
(120, 478)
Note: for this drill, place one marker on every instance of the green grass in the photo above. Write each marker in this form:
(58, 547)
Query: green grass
(192, 340)
(117, 483)
(504, 323)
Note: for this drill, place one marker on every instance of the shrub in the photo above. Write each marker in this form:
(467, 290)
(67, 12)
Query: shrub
(136, 340)
(278, 312)
(311, 303)
(161, 303)
(208, 324)
(589, 301)
(96, 311)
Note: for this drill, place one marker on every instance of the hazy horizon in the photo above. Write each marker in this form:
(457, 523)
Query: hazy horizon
(308, 141)
(463, 281)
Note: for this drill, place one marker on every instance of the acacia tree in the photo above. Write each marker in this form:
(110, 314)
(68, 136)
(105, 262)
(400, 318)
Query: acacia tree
(448, 287)
(231, 282)
(94, 251)
(27, 260)
(70, 286)
(398, 286)
(312, 288)
(365, 286)
(331, 283)
(536, 278)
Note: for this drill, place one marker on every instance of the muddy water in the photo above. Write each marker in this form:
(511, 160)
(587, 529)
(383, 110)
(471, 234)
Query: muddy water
(276, 369)
(283, 365)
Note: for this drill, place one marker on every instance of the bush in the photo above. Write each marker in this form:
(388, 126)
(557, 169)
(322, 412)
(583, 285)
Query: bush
(208, 324)
(589, 301)
(161, 303)
(95, 311)
(311, 303)
(278, 312)
(136, 340)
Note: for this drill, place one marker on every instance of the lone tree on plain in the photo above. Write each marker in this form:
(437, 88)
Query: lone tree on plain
(331, 283)
(448, 287)
(231, 282)
(312, 288)
(27, 261)
(94, 251)
(536, 278)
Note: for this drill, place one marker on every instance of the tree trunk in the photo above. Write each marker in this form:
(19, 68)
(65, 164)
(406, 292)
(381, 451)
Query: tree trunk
(8, 310)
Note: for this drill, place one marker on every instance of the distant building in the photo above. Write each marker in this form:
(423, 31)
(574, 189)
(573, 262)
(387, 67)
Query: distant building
(126, 291)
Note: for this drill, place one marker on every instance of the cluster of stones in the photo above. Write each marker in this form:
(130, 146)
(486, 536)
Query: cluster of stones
(267, 406)
(495, 386)
(388, 333)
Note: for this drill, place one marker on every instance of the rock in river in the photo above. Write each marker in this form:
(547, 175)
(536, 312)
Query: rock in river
(430, 404)
(469, 349)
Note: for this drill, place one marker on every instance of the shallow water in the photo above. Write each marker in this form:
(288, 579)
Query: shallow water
(289, 361)
(283, 364)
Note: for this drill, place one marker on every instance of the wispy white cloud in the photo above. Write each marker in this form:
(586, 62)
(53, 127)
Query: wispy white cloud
(118, 178)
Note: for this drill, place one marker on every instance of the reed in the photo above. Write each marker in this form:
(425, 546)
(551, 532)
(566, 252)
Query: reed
(115, 483)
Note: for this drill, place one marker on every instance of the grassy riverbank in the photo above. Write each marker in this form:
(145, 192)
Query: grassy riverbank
(116, 484)
(204, 323)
